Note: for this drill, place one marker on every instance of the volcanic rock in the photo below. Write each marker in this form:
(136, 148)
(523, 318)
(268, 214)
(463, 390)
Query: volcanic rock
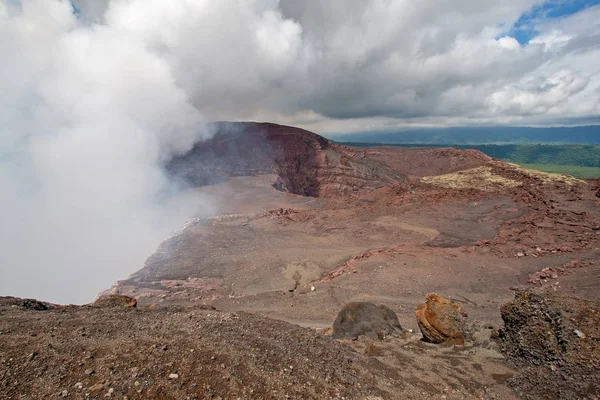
(363, 318)
(541, 336)
(115, 300)
(440, 320)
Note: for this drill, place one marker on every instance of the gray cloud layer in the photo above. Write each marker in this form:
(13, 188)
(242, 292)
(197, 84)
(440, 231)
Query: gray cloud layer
(94, 103)
(352, 63)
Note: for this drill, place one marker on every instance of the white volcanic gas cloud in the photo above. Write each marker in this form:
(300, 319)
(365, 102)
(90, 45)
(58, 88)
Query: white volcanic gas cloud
(88, 114)
(98, 95)
(96, 98)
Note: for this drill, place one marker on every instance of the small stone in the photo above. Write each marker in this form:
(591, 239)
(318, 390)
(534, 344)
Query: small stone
(64, 393)
(173, 376)
(78, 385)
(89, 371)
(96, 388)
(520, 254)
(579, 334)
(136, 383)
(312, 288)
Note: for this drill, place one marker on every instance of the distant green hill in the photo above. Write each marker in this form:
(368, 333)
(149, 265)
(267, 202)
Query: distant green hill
(578, 172)
(480, 135)
(582, 161)
(582, 156)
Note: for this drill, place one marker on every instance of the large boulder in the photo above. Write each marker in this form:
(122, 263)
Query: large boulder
(363, 318)
(441, 320)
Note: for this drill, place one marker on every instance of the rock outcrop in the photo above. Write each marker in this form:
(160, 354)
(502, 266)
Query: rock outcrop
(555, 339)
(363, 318)
(441, 320)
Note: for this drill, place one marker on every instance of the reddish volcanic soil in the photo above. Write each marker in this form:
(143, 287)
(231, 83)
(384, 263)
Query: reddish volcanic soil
(381, 224)
(387, 225)
(306, 226)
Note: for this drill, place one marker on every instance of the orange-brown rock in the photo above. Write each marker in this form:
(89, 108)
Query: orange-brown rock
(115, 300)
(440, 320)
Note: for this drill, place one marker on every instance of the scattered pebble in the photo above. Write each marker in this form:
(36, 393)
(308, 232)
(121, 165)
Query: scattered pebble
(579, 334)
(173, 376)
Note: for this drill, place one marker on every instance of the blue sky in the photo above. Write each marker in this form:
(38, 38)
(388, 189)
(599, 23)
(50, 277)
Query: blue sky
(524, 29)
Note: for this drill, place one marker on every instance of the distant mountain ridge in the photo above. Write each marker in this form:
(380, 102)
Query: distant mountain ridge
(480, 135)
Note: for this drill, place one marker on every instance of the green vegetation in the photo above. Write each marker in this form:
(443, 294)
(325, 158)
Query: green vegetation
(588, 135)
(581, 161)
(578, 172)
(568, 155)
(576, 160)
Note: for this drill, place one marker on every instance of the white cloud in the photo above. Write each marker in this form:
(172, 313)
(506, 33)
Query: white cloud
(88, 115)
(347, 60)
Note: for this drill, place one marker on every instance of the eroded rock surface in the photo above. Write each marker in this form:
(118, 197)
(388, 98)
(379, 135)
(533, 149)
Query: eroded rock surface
(441, 320)
(555, 340)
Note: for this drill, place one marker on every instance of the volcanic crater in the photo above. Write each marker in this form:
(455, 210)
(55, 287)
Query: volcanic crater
(305, 226)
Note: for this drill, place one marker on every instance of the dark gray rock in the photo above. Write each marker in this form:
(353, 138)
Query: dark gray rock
(363, 318)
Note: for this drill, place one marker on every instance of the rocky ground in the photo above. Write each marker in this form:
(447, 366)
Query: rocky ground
(111, 351)
(306, 226)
